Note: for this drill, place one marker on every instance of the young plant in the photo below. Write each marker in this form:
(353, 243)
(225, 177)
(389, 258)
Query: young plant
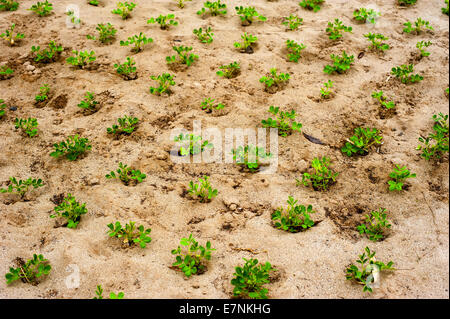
(139, 42)
(43, 95)
(421, 45)
(340, 63)
(81, 58)
(445, 10)
(398, 175)
(191, 259)
(130, 234)
(383, 100)
(165, 82)
(127, 69)
(247, 14)
(215, 8)
(94, 3)
(250, 279)
(8, 5)
(334, 29)
(375, 226)
(311, 4)
(364, 15)
(292, 22)
(284, 121)
(326, 91)
(250, 156)
(42, 8)
(361, 142)
(229, 71)
(406, 2)
(124, 9)
(47, 55)
(181, 3)
(247, 41)
(403, 73)
(436, 144)
(209, 105)
(106, 33)
(72, 148)
(296, 217)
(10, 37)
(89, 102)
(164, 21)
(322, 177)
(127, 125)
(74, 19)
(2, 108)
(419, 25)
(71, 210)
(184, 57)
(203, 190)
(377, 41)
(29, 271)
(112, 295)
(206, 37)
(192, 144)
(28, 126)
(5, 72)
(21, 187)
(369, 266)
(127, 175)
(295, 50)
(275, 81)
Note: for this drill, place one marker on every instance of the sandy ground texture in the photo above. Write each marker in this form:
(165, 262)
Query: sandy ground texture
(311, 264)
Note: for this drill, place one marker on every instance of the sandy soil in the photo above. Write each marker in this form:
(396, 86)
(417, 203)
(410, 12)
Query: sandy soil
(311, 264)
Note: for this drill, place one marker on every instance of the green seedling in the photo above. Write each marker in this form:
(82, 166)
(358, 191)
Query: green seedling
(296, 217)
(418, 27)
(250, 156)
(42, 8)
(165, 82)
(5, 72)
(47, 55)
(127, 175)
(203, 190)
(192, 144)
(364, 15)
(421, 45)
(10, 37)
(181, 3)
(369, 266)
(403, 73)
(164, 21)
(322, 177)
(229, 71)
(406, 2)
(398, 176)
(72, 148)
(250, 279)
(28, 126)
(436, 144)
(275, 80)
(127, 125)
(8, 5)
(71, 210)
(72, 17)
(204, 37)
(326, 91)
(21, 187)
(127, 69)
(209, 105)
(139, 42)
(445, 10)
(311, 4)
(295, 50)
(377, 41)
(29, 271)
(284, 121)
(124, 9)
(112, 295)
(334, 29)
(340, 63)
(43, 95)
(89, 102)
(247, 41)
(2, 108)
(184, 57)
(191, 259)
(215, 8)
(383, 100)
(375, 226)
(130, 234)
(361, 142)
(81, 58)
(94, 3)
(293, 22)
(106, 33)
(248, 14)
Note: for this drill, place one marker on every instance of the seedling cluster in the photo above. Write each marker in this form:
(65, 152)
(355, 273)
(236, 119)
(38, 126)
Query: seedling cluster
(215, 8)
(404, 73)
(296, 217)
(435, 145)
(383, 100)
(322, 177)
(376, 225)
(249, 280)
(124, 9)
(30, 271)
(335, 28)
(250, 156)
(398, 176)
(192, 144)
(284, 121)
(340, 63)
(21, 187)
(71, 210)
(127, 174)
(130, 234)
(127, 125)
(274, 81)
(202, 191)
(295, 50)
(229, 71)
(360, 143)
(183, 57)
(11, 37)
(311, 4)
(164, 21)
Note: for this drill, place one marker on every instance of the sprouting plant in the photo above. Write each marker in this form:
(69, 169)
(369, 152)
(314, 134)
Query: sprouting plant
(112, 295)
(247, 14)
(250, 156)
(229, 71)
(130, 234)
(340, 63)
(375, 226)
(47, 55)
(28, 126)
(2, 108)
(181, 3)
(398, 176)
(334, 29)
(203, 190)
(106, 33)
(5, 72)
(8, 5)
(419, 24)
(184, 57)
(139, 42)
(127, 125)
(383, 100)
(247, 41)
(296, 217)
(436, 144)
(72, 148)
(403, 72)
(293, 22)
(10, 37)
(420, 45)
(311, 4)
(295, 50)
(250, 279)
(127, 69)
(284, 121)
(369, 267)
(206, 37)
(406, 2)
(164, 21)
(209, 105)
(274, 79)
(42, 8)
(377, 41)
(364, 15)
(361, 142)
(165, 82)
(89, 102)
(29, 271)
(81, 58)
(445, 10)
(21, 187)
(94, 3)
(124, 9)
(43, 95)
(127, 174)
(74, 19)
(71, 210)
(215, 8)
(191, 259)
(326, 91)
(192, 144)
(322, 177)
